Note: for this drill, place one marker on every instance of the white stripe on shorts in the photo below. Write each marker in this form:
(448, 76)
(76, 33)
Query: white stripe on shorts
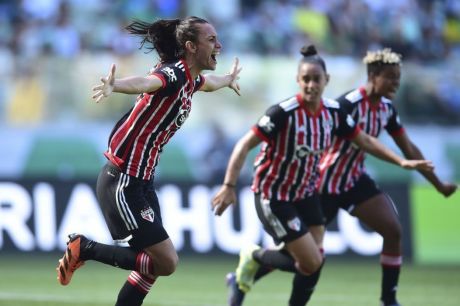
(274, 222)
(122, 205)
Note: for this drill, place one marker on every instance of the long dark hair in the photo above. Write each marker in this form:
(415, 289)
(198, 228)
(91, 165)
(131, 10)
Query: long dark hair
(310, 55)
(167, 36)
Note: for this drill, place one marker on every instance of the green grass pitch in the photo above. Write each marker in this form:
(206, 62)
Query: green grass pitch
(28, 279)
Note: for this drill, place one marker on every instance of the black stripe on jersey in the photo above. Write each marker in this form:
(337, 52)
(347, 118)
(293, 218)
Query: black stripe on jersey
(123, 149)
(347, 169)
(322, 134)
(161, 128)
(118, 124)
(308, 124)
(287, 158)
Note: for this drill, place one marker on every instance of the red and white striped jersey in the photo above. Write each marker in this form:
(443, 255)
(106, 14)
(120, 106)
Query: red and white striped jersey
(286, 168)
(343, 162)
(137, 139)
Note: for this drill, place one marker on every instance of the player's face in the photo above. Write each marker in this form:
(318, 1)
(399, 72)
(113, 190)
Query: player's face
(386, 83)
(207, 47)
(312, 80)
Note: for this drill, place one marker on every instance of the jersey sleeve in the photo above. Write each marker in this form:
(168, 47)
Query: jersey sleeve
(347, 127)
(270, 123)
(171, 77)
(394, 126)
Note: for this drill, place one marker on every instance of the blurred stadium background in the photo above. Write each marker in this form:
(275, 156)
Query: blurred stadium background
(52, 135)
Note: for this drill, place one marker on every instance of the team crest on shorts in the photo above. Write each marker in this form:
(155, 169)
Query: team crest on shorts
(147, 213)
(294, 224)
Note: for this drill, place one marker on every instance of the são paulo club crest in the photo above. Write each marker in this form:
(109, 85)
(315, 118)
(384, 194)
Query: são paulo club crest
(294, 224)
(147, 213)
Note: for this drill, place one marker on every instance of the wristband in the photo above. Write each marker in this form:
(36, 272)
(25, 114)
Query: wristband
(229, 185)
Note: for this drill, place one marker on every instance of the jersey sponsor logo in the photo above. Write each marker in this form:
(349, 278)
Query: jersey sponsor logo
(183, 113)
(266, 124)
(170, 72)
(294, 224)
(303, 150)
(147, 213)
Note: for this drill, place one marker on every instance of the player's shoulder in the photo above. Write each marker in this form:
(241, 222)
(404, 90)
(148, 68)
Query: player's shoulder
(354, 96)
(331, 103)
(174, 70)
(288, 104)
(283, 109)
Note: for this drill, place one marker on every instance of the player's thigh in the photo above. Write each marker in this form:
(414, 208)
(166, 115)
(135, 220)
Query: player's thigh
(379, 213)
(317, 232)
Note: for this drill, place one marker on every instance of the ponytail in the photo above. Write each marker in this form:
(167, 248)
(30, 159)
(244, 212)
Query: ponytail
(161, 35)
(167, 36)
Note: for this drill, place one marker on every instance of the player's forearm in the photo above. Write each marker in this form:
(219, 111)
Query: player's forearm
(373, 146)
(135, 85)
(214, 82)
(413, 152)
(236, 163)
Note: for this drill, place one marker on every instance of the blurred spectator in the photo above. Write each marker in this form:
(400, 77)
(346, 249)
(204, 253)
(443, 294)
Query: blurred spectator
(418, 29)
(424, 31)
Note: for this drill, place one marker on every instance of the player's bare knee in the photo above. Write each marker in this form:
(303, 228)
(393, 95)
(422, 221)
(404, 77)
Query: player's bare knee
(168, 266)
(311, 267)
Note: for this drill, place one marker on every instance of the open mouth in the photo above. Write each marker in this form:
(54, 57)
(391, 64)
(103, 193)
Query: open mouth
(214, 56)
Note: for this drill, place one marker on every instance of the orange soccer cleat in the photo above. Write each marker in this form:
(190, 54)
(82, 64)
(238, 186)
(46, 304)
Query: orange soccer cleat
(71, 259)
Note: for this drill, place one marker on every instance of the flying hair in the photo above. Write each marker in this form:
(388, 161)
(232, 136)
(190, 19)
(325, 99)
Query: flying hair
(167, 36)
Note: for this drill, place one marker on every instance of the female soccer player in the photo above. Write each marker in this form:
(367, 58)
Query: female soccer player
(344, 182)
(294, 134)
(125, 189)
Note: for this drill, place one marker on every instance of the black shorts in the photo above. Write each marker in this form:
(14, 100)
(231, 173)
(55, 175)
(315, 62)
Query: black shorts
(287, 221)
(364, 189)
(130, 208)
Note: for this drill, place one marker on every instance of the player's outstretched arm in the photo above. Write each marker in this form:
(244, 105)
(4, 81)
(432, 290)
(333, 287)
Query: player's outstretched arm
(214, 82)
(226, 194)
(129, 85)
(411, 151)
(373, 146)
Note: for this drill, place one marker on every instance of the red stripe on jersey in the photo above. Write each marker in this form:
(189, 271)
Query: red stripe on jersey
(261, 169)
(281, 151)
(356, 170)
(328, 160)
(292, 171)
(123, 131)
(141, 140)
(144, 132)
(338, 174)
(291, 174)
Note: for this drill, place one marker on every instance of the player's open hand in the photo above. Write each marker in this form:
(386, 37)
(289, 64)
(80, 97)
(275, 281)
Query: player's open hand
(234, 73)
(224, 197)
(424, 165)
(106, 88)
